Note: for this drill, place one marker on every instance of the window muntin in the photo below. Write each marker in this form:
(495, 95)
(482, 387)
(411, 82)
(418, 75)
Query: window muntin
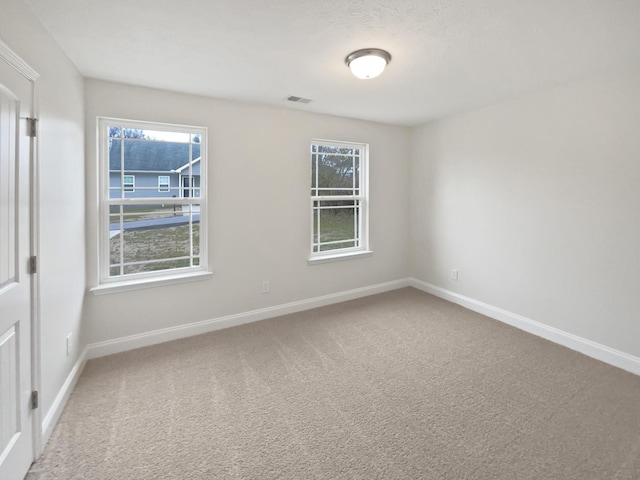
(338, 198)
(153, 220)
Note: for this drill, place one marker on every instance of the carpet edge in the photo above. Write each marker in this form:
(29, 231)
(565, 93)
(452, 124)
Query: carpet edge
(57, 407)
(611, 356)
(154, 337)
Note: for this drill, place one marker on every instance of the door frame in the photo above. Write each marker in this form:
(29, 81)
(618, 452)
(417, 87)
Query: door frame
(22, 67)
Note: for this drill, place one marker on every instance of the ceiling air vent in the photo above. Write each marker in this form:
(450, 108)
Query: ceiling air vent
(295, 99)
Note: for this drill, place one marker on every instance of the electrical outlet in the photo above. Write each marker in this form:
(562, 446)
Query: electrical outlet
(69, 344)
(266, 288)
(454, 274)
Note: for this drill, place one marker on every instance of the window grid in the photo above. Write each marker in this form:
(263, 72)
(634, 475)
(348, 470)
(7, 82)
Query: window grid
(337, 193)
(125, 215)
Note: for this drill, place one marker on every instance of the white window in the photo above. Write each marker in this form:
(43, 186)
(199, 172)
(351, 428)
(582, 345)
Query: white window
(150, 230)
(129, 183)
(339, 200)
(164, 183)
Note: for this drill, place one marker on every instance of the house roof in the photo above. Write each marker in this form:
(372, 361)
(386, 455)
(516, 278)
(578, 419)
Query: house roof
(152, 156)
(186, 165)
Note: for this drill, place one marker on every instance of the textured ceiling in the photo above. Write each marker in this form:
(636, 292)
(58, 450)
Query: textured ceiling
(449, 56)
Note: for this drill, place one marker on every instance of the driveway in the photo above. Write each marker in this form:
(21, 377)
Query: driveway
(114, 228)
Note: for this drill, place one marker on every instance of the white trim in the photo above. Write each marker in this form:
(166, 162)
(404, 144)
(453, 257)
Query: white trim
(361, 200)
(123, 344)
(150, 282)
(184, 167)
(53, 415)
(161, 187)
(125, 183)
(601, 352)
(13, 59)
(339, 257)
(22, 67)
(104, 201)
(592, 349)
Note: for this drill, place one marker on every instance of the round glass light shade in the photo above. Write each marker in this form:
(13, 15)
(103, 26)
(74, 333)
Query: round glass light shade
(368, 63)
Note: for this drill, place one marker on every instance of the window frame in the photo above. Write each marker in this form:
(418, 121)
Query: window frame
(363, 249)
(111, 284)
(161, 187)
(125, 184)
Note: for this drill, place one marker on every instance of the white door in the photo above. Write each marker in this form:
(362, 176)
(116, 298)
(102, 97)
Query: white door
(16, 434)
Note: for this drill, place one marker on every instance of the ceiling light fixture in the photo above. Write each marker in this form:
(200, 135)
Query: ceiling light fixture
(368, 62)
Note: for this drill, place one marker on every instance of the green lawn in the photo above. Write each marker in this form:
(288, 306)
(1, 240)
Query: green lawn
(146, 212)
(159, 244)
(334, 227)
(164, 244)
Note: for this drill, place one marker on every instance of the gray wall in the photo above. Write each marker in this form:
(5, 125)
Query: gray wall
(62, 197)
(536, 202)
(259, 181)
(146, 185)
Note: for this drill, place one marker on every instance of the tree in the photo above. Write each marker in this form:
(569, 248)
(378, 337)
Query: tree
(115, 132)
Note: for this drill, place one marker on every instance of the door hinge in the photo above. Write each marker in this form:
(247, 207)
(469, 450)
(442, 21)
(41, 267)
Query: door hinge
(34, 400)
(33, 265)
(32, 127)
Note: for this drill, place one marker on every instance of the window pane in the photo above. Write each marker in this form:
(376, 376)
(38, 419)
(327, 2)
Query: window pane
(335, 224)
(332, 204)
(120, 132)
(149, 158)
(191, 186)
(161, 136)
(153, 156)
(335, 175)
(335, 149)
(143, 216)
(314, 170)
(154, 165)
(316, 216)
(156, 244)
(335, 171)
(335, 246)
(144, 250)
(153, 237)
(156, 266)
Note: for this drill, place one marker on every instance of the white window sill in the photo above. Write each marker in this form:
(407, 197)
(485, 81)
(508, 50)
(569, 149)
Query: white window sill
(338, 257)
(142, 283)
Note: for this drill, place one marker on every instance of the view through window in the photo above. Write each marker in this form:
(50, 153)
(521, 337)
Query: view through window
(338, 198)
(153, 178)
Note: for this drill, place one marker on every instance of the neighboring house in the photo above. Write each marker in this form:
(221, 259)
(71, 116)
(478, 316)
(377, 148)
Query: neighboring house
(153, 169)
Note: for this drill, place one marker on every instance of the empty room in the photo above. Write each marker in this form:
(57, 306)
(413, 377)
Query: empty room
(320, 240)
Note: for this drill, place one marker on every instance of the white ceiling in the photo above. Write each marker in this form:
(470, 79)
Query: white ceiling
(449, 56)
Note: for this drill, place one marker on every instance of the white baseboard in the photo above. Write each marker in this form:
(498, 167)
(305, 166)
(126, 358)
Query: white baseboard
(592, 349)
(51, 419)
(123, 344)
(595, 350)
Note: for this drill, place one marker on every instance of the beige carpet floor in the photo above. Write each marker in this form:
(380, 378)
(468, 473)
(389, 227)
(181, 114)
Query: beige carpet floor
(400, 385)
